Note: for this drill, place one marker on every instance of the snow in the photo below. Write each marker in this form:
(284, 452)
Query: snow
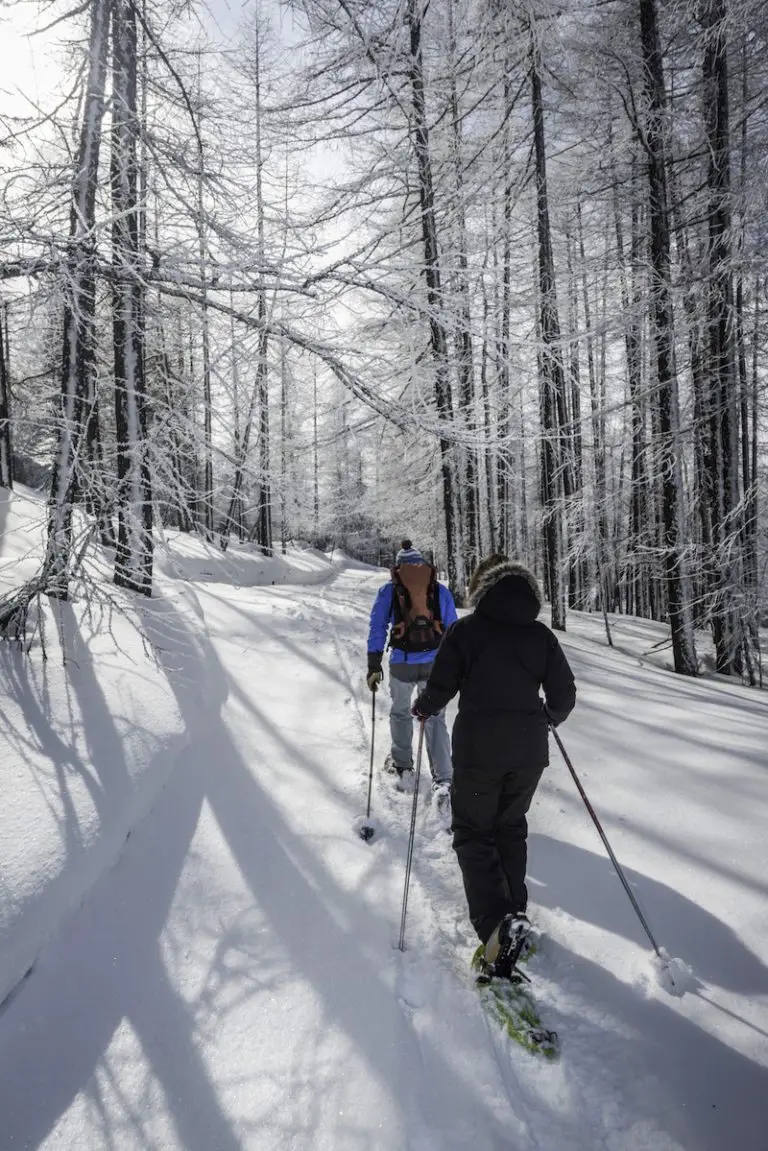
(227, 976)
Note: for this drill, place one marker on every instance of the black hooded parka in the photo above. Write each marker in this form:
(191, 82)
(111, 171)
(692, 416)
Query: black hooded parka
(498, 658)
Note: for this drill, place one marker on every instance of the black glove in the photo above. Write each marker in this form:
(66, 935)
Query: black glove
(420, 709)
(375, 674)
(552, 719)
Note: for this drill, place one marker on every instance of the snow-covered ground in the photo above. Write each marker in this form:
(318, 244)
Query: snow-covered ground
(233, 980)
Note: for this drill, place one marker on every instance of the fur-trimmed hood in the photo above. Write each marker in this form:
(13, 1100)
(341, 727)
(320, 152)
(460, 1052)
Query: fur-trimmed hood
(507, 590)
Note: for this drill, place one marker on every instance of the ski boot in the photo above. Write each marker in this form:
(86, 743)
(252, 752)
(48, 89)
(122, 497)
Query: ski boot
(397, 769)
(403, 775)
(505, 947)
(441, 793)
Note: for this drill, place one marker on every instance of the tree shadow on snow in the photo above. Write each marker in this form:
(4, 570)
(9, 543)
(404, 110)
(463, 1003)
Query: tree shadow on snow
(680, 696)
(103, 988)
(586, 886)
(664, 1071)
(56, 1034)
(634, 1033)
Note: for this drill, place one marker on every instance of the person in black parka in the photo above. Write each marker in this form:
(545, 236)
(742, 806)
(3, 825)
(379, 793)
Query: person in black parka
(497, 659)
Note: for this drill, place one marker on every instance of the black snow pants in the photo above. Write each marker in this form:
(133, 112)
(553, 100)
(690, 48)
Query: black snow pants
(489, 837)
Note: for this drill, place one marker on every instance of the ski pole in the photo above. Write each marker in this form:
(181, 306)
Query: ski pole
(409, 858)
(608, 847)
(366, 831)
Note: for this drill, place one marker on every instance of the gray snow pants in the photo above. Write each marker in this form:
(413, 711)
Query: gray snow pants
(403, 678)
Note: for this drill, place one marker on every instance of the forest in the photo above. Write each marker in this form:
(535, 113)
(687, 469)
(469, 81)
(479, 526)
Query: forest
(488, 273)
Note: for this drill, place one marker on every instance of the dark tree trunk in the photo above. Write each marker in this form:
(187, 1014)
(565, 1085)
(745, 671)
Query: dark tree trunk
(77, 367)
(487, 424)
(637, 546)
(577, 582)
(283, 451)
(551, 371)
(438, 335)
(597, 422)
(662, 324)
(315, 461)
(133, 557)
(264, 511)
(259, 398)
(463, 337)
(258, 406)
(6, 447)
(723, 477)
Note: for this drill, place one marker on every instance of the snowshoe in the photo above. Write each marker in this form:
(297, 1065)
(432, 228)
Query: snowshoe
(510, 1004)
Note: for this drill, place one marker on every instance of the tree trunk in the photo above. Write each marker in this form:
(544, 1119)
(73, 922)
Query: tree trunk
(631, 298)
(283, 451)
(262, 530)
(464, 342)
(597, 406)
(6, 448)
(438, 335)
(202, 242)
(723, 482)
(504, 398)
(315, 461)
(238, 512)
(487, 423)
(79, 310)
(577, 582)
(133, 557)
(257, 399)
(551, 371)
(662, 323)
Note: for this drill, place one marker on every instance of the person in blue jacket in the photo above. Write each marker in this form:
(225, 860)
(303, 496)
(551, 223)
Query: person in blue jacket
(415, 611)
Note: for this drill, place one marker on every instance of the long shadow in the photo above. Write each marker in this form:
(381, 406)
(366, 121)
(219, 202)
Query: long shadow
(110, 974)
(110, 977)
(701, 723)
(112, 963)
(56, 1035)
(257, 621)
(239, 810)
(276, 863)
(36, 738)
(39, 738)
(641, 828)
(657, 686)
(658, 1064)
(64, 770)
(586, 886)
(88, 754)
(700, 730)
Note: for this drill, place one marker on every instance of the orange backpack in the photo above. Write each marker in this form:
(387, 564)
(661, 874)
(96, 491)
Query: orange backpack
(417, 625)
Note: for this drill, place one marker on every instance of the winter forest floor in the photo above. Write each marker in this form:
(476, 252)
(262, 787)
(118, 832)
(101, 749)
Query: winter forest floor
(229, 978)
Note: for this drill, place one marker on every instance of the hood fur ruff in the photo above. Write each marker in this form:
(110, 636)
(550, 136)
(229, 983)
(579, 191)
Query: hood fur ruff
(499, 572)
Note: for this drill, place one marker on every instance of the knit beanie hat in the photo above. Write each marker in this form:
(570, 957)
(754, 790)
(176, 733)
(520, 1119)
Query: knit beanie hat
(408, 554)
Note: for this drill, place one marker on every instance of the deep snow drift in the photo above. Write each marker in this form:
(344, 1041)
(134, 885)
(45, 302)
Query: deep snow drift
(232, 981)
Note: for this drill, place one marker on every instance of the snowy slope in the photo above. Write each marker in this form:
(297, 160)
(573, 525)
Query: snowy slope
(87, 747)
(233, 982)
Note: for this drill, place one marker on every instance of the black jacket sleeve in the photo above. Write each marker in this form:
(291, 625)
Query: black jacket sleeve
(445, 677)
(559, 686)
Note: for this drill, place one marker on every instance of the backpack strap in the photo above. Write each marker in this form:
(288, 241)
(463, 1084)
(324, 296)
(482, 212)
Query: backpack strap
(433, 595)
(400, 603)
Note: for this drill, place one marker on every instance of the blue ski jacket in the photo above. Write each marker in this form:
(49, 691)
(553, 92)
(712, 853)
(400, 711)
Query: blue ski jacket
(382, 617)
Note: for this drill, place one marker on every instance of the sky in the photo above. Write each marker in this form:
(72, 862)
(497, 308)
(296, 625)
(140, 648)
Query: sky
(28, 70)
(26, 76)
